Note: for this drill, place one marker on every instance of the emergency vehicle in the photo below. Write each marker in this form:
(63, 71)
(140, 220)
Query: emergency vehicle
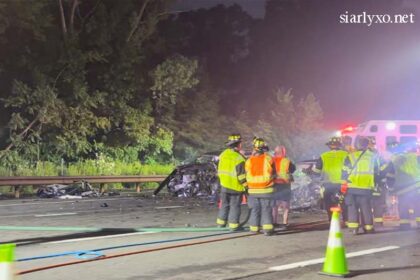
(384, 132)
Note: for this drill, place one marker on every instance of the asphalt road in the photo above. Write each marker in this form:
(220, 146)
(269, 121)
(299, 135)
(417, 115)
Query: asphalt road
(243, 256)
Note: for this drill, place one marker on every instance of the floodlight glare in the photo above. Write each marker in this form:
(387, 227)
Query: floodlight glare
(390, 125)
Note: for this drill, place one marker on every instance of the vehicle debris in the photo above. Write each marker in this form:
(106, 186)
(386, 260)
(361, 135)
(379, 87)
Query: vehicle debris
(77, 190)
(199, 179)
(194, 179)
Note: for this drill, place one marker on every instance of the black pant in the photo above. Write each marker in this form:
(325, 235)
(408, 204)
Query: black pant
(230, 210)
(330, 198)
(379, 207)
(261, 213)
(362, 203)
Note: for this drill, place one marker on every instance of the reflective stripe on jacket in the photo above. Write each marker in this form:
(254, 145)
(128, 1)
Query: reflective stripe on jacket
(259, 174)
(231, 170)
(332, 165)
(407, 171)
(362, 176)
(282, 165)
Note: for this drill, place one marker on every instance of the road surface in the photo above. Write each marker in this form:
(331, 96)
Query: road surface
(291, 254)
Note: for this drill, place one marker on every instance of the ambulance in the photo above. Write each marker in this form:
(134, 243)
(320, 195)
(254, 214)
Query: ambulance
(384, 132)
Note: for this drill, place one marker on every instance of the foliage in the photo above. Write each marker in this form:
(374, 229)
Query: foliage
(102, 166)
(296, 124)
(173, 76)
(123, 87)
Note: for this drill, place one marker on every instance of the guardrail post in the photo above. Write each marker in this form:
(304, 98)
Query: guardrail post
(101, 188)
(17, 191)
(138, 187)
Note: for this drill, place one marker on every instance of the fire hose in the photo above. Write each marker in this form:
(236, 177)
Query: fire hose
(99, 256)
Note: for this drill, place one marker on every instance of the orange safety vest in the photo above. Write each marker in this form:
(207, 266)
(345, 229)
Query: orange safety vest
(259, 174)
(282, 170)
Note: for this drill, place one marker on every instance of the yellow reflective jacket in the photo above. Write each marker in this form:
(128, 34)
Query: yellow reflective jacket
(406, 168)
(361, 174)
(332, 165)
(231, 170)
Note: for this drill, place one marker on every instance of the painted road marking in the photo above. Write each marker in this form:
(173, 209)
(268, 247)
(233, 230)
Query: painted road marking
(97, 237)
(55, 214)
(321, 260)
(65, 201)
(94, 211)
(168, 207)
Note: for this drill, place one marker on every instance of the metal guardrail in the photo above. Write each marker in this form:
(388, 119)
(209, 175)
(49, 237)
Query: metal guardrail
(19, 182)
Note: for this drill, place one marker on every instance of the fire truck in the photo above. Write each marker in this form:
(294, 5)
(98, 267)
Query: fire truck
(384, 132)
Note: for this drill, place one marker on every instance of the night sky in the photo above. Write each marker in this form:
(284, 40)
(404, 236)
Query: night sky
(357, 72)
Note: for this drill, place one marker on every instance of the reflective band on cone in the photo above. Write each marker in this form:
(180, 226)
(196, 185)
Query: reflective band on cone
(335, 263)
(7, 256)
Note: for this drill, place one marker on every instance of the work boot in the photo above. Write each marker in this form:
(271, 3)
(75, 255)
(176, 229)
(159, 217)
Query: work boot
(369, 231)
(236, 229)
(268, 233)
(283, 226)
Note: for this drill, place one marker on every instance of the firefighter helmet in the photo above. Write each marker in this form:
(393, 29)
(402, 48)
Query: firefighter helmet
(334, 142)
(259, 144)
(234, 139)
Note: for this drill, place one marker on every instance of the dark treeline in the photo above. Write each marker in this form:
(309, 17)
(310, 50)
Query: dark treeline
(135, 80)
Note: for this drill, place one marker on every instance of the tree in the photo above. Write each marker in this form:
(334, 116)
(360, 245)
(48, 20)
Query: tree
(296, 124)
(77, 80)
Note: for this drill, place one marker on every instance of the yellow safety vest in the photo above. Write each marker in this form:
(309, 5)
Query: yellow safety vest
(363, 174)
(407, 170)
(229, 159)
(332, 165)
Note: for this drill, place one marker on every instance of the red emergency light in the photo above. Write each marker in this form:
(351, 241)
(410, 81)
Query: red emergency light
(348, 128)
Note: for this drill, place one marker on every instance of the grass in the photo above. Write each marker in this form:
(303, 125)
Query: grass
(88, 168)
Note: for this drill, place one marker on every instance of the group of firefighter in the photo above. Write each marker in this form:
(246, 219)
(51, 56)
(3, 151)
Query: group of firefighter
(356, 179)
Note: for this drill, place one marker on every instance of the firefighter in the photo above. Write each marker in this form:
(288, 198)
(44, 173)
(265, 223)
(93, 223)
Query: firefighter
(406, 186)
(260, 171)
(282, 185)
(347, 146)
(329, 166)
(359, 172)
(232, 177)
(379, 192)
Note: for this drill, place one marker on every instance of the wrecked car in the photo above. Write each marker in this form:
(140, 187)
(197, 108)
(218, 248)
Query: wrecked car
(305, 189)
(199, 178)
(195, 178)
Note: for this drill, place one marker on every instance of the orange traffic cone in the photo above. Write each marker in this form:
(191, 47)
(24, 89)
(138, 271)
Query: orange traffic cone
(7, 256)
(335, 263)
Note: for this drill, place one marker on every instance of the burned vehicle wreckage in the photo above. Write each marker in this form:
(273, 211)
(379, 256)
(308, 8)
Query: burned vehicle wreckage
(193, 179)
(198, 178)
